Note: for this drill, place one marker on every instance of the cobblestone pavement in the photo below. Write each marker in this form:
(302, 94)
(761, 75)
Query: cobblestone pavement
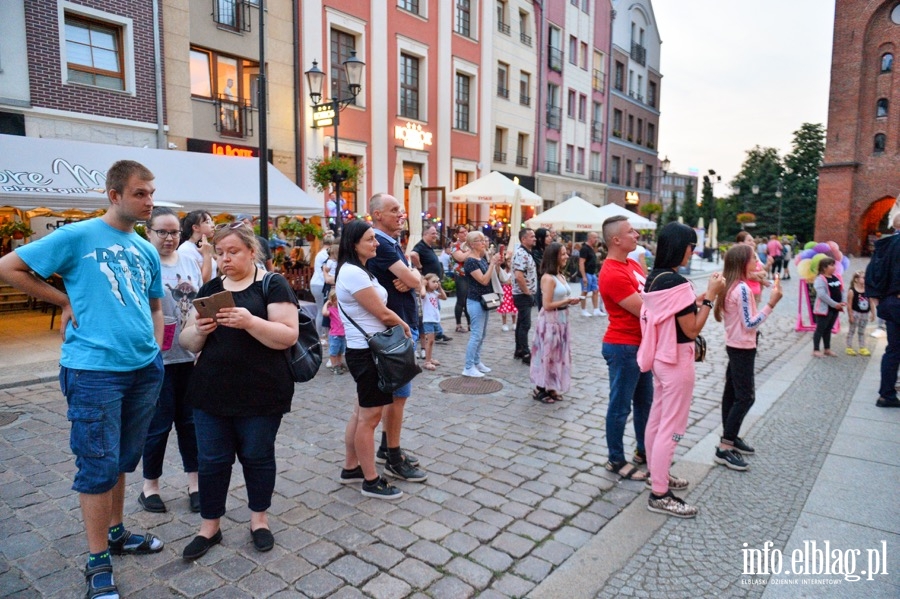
(703, 556)
(515, 487)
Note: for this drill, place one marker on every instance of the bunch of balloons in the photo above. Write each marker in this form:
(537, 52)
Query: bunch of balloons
(808, 260)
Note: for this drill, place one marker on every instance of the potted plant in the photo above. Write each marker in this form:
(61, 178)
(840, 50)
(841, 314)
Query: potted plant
(309, 231)
(326, 171)
(292, 228)
(746, 217)
(15, 229)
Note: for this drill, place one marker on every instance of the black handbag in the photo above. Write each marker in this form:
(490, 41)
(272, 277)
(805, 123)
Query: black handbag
(394, 354)
(490, 301)
(305, 357)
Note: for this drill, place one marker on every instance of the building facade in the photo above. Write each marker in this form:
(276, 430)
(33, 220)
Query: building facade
(634, 105)
(573, 62)
(672, 187)
(860, 177)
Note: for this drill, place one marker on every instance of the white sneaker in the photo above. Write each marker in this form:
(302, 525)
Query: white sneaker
(482, 368)
(585, 313)
(472, 372)
(422, 353)
(877, 333)
(599, 312)
(505, 328)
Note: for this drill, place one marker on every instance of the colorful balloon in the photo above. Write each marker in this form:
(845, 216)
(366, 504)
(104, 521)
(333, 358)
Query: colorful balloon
(803, 269)
(845, 262)
(839, 268)
(821, 248)
(814, 264)
(809, 245)
(807, 254)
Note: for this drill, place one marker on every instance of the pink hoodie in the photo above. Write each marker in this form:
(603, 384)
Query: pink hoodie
(741, 318)
(658, 336)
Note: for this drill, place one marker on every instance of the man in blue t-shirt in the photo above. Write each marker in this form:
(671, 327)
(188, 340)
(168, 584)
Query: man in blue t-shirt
(111, 366)
(402, 282)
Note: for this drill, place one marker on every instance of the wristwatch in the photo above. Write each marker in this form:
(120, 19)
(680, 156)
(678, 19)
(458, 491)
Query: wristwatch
(707, 303)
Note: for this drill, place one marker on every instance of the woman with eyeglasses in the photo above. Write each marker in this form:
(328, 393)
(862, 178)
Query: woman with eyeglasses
(181, 280)
(196, 234)
(479, 269)
(241, 386)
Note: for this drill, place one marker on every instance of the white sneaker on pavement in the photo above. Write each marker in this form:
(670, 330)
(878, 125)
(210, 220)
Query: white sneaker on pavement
(472, 372)
(586, 313)
(599, 312)
(481, 367)
(505, 328)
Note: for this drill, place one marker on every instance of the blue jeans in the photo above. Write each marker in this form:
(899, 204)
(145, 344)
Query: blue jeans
(110, 413)
(252, 440)
(889, 310)
(173, 408)
(627, 386)
(478, 318)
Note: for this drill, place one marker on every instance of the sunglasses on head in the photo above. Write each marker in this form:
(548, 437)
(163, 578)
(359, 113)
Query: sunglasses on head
(234, 225)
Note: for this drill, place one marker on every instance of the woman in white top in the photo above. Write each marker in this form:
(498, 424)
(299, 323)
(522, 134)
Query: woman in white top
(196, 232)
(362, 299)
(317, 281)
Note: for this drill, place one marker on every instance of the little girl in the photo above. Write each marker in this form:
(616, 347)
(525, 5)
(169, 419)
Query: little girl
(860, 312)
(328, 270)
(337, 343)
(831, 299)
(432, 293)
(506, 304)
(736, 305)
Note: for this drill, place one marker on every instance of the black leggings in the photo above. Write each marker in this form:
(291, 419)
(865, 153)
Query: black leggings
(462, 292)
(740, 391)
(824, 324)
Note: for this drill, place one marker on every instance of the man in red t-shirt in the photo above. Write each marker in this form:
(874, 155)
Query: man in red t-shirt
(621, 283)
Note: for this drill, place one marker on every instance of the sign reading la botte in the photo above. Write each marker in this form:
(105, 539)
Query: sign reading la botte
(221, 149)
(413, 136)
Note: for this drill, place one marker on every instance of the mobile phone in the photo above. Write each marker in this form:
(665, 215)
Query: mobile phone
(208, 307)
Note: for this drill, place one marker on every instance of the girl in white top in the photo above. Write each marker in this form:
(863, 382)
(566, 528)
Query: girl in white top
(364, 301)
(317, 281)
(196, 231)
(431, 294)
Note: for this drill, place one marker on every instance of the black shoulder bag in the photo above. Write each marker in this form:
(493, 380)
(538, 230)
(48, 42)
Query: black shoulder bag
(305, 357)
(394, 355)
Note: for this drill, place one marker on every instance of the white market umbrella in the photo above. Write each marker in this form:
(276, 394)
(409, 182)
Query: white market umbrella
(713, 234)
(637, 221)
(493, 188)
(700, 223)
(515, 218)
(575, 214)
(398, 181)
(415, 212)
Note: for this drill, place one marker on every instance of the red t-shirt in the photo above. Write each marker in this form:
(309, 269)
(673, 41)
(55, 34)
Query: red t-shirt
(619, 280)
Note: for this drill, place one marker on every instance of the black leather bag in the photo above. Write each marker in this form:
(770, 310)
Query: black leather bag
(394, 354)
(305, 357)
(699, 349)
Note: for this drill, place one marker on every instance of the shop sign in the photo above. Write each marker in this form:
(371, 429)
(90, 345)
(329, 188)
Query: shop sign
(218, 148)
(632, 197)
(324, 115)
(412, 136)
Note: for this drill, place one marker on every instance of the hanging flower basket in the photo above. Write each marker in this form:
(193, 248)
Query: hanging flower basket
(326, 171)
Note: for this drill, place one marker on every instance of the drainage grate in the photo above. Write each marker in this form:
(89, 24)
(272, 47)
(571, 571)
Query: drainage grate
(8, 417)
(467, 385)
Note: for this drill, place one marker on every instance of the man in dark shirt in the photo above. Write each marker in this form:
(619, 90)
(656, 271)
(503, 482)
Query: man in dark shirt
(402, 282)
(589, 266)
(426, 260)
(883, 288)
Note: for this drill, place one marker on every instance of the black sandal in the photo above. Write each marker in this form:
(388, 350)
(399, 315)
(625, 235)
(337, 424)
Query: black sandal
(555, 396)
(542, 396)
(146, 546)
(92, 591)
(627, 471)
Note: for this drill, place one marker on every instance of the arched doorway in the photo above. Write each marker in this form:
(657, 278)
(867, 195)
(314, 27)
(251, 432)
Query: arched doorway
(874, 222)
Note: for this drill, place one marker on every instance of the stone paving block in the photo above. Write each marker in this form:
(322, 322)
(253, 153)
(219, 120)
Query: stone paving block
(450, 586)
(350, 538)
(430, 530)
(233, 568)
(482, 531)
(321, 553)
(592, 523)
(387, 587)
(460, 543)
(319, 583)
(495, 561)
(418, 574)
(514, 545)
(545, 519)
(395, 536)
(420, 506)
(470, 572)
(430, 553)
(450, 519)
(20, 545)
(196, 582)
(532, 568)
(511, 585)
(263, 584)
(352, 569)
(553, 551)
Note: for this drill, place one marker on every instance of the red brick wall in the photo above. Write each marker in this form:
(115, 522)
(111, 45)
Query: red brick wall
(47, 89)
(853, 177)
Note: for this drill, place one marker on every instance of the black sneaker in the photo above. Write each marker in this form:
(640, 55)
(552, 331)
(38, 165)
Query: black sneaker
(348, 477)
(443, 339)
(405, 471)
(381, 457)
(884, 402)
(741, 447)
(381, 489)
(730, 459)
(526, 359)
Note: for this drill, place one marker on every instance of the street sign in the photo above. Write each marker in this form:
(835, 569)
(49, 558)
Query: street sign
(324, 115)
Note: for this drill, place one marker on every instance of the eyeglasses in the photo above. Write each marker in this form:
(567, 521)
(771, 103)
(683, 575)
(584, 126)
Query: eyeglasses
(235, 225)
(164, 234)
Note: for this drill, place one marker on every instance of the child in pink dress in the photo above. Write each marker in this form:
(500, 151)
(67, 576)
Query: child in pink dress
(506, 304)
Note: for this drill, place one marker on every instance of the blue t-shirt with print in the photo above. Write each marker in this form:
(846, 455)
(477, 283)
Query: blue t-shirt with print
(110, 277)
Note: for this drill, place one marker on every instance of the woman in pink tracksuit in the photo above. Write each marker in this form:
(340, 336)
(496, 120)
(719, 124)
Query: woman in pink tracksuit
(736, 306)
(671, 318)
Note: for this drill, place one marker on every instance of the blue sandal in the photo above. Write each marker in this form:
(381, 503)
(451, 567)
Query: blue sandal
(121, 546)
(94, 592)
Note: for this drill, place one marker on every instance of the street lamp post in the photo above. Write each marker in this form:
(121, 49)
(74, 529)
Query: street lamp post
(778, 194)
(354, 68)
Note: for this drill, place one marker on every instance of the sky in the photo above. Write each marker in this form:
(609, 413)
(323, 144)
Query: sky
(737, 74)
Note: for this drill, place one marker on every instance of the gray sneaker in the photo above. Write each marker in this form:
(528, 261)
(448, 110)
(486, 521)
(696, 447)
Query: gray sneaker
(730, 459)
(405, 471)
(671, 506)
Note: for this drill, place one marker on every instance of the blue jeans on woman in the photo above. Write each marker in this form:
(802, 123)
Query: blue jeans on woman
(478, 318)
(627, 386)
(252, 440)
(172, 408)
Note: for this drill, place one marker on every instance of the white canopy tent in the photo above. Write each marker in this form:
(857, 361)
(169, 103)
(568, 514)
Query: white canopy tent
(575, 214)
(61, 174)
(494, 188)
(637, 221)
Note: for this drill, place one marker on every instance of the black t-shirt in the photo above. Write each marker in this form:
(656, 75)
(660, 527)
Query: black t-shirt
(834, 289)
(386, 255)
(538, 255)
(236, 375)
(590, 259)
(667, 280)
(428, 259)
(476, 289)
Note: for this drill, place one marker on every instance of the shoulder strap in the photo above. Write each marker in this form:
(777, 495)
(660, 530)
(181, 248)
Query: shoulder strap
(353, 322)
(656, 279)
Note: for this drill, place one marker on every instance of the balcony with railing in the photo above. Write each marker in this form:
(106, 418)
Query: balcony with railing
(598, 80)
(525, 39)
(232, 14)
(524, 100)
(596, 131)
(555, 59)
(554, 117)
(233, 116)
(596, 176)
(638, 53)
(502, 91)
(614, 179)
(503, 27)
(521, 160)
(551, 167)
(499, 156)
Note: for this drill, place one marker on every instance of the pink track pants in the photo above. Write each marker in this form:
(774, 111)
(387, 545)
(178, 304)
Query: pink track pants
(673, 389)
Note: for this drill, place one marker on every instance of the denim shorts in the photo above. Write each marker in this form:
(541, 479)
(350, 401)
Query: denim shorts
(110, 413)
(431, 328)
(337, 345)
(589, 283)
(406, 390)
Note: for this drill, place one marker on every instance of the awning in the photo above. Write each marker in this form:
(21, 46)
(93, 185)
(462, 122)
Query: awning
(60, 174)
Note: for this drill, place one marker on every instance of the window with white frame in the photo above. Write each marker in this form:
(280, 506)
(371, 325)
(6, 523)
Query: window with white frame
(463, 22)
(409, 86)
(462, 118)
(524, 88)
(409, 5)
(579, 161)
(570, 157)
(503, 80)
(342, 44)
(573, 50)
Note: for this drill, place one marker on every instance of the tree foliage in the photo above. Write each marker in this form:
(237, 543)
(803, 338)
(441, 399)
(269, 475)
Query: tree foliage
(690, 212)
(671, 212)
(801, 180)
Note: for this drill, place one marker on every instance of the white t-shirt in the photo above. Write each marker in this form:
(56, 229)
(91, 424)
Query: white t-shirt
(189, 250)
(431, 307)
(318, 277)
(350, 280)
(444, 258)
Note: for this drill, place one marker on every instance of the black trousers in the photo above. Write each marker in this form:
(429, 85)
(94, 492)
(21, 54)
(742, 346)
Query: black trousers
(740, 390)
(824, 324)
(462, 292)
(523, 304)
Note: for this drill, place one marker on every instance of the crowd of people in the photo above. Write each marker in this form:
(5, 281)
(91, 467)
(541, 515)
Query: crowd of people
(138, 358)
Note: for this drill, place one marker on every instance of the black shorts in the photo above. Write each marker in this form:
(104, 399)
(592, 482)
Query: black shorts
(362, 367)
